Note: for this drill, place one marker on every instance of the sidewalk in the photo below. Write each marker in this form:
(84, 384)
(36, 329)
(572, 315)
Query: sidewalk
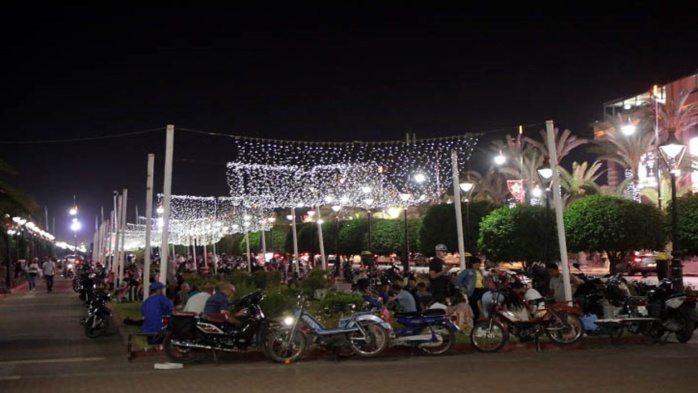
(43, 328)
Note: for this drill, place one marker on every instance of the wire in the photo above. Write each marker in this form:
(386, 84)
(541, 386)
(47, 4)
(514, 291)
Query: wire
(81, 139)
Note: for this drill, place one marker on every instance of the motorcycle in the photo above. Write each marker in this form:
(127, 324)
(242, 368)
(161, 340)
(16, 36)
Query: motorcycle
(98, 318)
(188, 337)
(560, 322)
(623, 310)
(430, 331)
(675, 312)
(363, 333)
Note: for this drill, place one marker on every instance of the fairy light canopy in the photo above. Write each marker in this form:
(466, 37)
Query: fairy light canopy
(283, 174)
(205, 220)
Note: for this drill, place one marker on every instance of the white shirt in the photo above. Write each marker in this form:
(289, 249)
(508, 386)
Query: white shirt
(197, 302)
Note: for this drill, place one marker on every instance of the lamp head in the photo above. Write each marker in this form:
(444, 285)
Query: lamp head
(672, 151)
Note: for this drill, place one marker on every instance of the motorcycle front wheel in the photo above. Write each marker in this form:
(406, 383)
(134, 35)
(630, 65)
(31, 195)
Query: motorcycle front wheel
(443, 340)
(567, 330)
(373, 343)
(101, 325)
(179, 354)
(282, 347)
(488, 336)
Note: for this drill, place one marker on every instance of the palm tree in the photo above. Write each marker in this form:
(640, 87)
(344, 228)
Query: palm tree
(625, 150)
(581, 181)
(676, 115)
(488, 187)
(13, 201)
(564, 143)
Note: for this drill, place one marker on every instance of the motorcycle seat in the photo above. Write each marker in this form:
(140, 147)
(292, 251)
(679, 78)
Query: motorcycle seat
(183, 314)
(432, 312)
(216, 318)
(407, 315)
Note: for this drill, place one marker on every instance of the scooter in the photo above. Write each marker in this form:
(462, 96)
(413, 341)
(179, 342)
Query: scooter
(430, 331)
(365, 334)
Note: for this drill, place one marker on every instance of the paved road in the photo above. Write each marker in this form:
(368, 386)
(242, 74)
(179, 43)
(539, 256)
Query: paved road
(43, 349)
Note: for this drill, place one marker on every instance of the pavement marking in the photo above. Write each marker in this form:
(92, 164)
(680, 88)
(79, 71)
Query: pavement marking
(10, 378)
(47, 361)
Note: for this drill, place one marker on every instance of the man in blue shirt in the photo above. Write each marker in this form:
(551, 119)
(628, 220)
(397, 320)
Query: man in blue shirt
(219, 303)
(154, 308)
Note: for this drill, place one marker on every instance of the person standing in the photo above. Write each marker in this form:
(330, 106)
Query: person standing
(49, 270)
(33, 271)
(438, 273)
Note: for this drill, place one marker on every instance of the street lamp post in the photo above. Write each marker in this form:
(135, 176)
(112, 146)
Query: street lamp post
(467, 188)
(546, 173)
(404, 197)
(672, 151)
(75, 227)
(336, 209)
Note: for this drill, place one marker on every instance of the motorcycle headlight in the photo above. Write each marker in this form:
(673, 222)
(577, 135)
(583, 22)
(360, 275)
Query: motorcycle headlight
(288, 321)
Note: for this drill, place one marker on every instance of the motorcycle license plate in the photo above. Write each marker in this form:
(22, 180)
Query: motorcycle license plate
(642, 310)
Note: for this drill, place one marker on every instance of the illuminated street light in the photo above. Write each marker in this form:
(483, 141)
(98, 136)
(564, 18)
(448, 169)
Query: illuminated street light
(672, 151)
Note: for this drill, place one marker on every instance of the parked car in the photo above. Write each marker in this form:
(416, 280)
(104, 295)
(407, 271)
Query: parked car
(644, 262)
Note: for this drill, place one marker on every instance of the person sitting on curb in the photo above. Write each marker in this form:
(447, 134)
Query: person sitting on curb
(153, 309)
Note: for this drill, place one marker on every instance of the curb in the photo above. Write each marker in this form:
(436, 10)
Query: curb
(20, 287)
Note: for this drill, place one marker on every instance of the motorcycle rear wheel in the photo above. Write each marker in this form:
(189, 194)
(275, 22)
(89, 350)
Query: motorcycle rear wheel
(569, 332)
(686, 334)
(282, 348)
(445, 340)
(182, 354)
(101, 326)
(372, 345)
(488, 336)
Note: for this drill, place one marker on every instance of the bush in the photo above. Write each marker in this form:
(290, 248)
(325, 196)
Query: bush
(317, 279)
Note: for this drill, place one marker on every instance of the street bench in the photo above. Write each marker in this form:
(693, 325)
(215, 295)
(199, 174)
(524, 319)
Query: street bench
(615, 326)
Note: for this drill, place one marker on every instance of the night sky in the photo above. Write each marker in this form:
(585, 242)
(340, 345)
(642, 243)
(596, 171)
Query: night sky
(73, 77)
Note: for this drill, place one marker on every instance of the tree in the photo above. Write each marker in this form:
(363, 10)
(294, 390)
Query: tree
(489, 187)
(688, 224)
(438, 227)
(476, 212)
(12, 200)
(581, 181)
(625, 150)
(616, 226)
(352, 237)
(523, 233)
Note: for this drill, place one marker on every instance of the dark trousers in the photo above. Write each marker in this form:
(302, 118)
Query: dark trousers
(49, 282)
(477, 295)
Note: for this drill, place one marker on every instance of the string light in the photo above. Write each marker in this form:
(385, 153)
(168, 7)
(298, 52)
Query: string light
(282, 174)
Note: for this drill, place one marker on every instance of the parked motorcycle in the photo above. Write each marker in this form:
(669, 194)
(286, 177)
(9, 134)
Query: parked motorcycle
(362, 332)
(430, 331)
(98, 318)
(675, 311)
(560, 322)
(188, 337)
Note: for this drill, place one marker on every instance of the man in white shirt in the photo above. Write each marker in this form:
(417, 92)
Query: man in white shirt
(196, 303)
